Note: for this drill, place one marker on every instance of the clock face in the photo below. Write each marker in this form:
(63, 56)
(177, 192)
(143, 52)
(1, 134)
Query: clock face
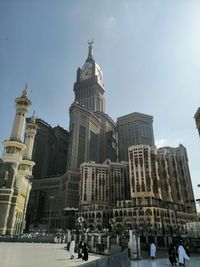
(86, 74)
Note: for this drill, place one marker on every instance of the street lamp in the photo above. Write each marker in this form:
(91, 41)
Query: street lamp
(80, 221)
(112, 222)
(51, 198)
(80, 227)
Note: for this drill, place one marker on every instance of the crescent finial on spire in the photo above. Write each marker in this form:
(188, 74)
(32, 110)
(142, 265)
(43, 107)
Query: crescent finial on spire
(91, 42)
(33, 118)
(90, 51)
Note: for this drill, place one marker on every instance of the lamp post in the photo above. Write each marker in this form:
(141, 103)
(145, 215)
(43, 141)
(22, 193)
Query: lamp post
(80, 227)
(112, 222)
(51, 198)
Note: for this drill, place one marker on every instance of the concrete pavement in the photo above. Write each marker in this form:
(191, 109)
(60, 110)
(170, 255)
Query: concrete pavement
(38, 255)
(54, 255)
(194, 262)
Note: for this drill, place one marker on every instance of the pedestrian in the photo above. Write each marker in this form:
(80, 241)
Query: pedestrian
(72, 248)
(153, 250)
(182, 256)
(80, 249)
(187, 248)
(85, 252)
(172, 254)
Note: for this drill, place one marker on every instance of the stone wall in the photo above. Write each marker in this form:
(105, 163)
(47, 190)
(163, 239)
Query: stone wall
(118, 260)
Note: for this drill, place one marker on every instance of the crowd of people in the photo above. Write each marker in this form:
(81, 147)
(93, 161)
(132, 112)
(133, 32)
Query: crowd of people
(177, 255)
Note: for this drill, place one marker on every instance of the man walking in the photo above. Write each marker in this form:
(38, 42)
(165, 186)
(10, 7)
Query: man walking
(72, 248)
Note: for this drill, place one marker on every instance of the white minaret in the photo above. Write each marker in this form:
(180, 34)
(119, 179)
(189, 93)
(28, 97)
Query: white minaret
(13, 148)
(31, 128)
(22, 104)
(16, 170)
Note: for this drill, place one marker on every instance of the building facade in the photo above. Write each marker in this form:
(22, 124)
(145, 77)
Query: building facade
(174, 169)
(102, 185)
(50, 155)
(92, 131)
(52, 202)
(162, 199)
(92, 137)
(114, 170)
(16, 170)
(134, 129)
(50, 150)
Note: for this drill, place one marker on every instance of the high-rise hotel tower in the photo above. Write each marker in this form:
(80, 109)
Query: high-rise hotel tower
(92, 131)
(134, 129)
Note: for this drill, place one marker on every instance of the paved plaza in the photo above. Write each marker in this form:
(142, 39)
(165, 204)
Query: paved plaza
(54, 255)
(194, 262)
(37, 255)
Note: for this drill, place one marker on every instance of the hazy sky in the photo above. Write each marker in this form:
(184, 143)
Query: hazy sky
(149, 52)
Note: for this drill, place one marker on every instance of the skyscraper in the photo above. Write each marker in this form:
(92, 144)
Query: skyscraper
(92, 137)
(50, 150)
(162, 197)
(101, 186)
(92, 131)
(134, 129)
(145, 189)
(50, 156)
(175, 178)
(144, 178)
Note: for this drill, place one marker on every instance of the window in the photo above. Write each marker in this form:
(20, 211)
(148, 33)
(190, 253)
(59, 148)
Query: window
(5, 179)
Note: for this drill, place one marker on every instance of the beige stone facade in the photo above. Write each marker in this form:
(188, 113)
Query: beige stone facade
(101, 186)
(157, 198)
(161, 191)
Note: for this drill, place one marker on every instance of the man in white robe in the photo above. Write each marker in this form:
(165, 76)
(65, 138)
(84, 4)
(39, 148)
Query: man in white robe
(152, 250)
(72, 248)
(182, 256)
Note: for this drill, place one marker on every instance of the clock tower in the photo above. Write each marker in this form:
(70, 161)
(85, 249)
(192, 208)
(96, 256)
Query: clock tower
(89, 86)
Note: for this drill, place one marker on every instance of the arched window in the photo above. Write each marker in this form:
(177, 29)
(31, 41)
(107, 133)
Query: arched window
(98, 215)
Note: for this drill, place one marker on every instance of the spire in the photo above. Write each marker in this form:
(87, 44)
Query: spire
(33, 118)
(25, 91)
(90, 51)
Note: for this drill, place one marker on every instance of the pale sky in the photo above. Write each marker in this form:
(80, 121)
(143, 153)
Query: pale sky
(149, 52)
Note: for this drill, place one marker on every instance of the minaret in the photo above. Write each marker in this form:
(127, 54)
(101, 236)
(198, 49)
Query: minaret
(30, 137)
(16, 170)
(22, 104)
(13, 148)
